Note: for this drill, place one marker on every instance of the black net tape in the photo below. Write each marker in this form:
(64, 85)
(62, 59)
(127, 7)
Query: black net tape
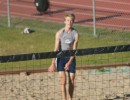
(67, 53)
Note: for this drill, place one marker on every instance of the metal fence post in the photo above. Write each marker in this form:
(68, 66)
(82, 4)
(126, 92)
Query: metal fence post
(8, 12)
(94, 18)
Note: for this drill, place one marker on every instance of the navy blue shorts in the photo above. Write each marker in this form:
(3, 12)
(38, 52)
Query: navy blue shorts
(61, 64)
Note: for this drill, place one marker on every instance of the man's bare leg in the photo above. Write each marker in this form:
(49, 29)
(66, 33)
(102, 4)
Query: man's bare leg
(71, 85)
(63, 84)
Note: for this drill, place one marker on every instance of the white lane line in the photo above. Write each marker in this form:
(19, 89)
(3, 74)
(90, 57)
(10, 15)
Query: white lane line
(87, 14)
(85, 6)
(116, 2)
(110, 25)
(29, 15)
(52, 9)
(60, 19)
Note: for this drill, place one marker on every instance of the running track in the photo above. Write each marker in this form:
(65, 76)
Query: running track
(109, 13)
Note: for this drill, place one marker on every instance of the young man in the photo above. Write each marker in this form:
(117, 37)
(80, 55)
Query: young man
(66, 39)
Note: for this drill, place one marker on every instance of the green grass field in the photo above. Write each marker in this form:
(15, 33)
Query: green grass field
(13, 42)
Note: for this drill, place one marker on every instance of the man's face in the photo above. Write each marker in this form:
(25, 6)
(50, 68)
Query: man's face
(68, 21)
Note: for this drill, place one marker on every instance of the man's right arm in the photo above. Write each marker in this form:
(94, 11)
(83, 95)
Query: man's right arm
(56, 48)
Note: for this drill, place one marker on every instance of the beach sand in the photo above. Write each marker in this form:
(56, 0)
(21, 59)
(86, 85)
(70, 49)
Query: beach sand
(46, 86)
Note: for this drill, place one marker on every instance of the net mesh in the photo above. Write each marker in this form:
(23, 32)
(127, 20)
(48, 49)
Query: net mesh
(93, 82)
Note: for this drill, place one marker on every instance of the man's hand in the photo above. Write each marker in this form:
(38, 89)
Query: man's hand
(52, 68)
(67, 66)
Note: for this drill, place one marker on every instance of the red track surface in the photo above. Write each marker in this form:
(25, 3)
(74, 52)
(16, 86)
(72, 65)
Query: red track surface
(109, 13)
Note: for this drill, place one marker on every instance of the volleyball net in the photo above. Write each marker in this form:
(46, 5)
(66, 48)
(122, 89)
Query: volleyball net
(102, 69)
(25, 76)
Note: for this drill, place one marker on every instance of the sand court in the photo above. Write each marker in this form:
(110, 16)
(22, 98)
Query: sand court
(46, 86)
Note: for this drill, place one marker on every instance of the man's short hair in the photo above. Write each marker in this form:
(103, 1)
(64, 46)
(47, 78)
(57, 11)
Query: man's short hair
(71, 15)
